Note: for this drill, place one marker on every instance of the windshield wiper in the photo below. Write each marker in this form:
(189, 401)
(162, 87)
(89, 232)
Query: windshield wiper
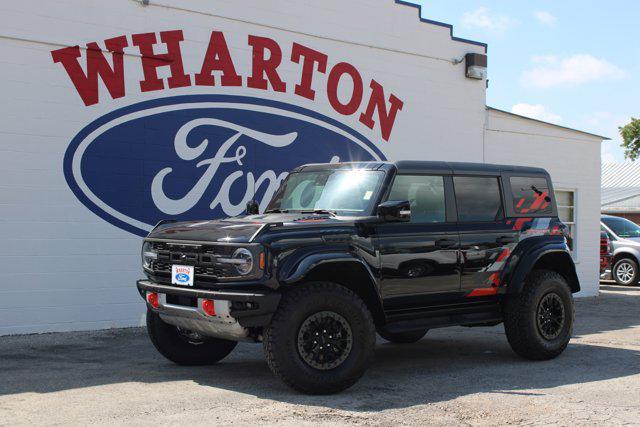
(277, 211)
(321, 211)
(305, 211)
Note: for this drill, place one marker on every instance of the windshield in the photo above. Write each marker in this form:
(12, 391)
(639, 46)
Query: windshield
(344, 192)
(622, 227)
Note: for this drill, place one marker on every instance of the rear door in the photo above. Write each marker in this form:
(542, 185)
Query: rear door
(485, 235)
(419, 259)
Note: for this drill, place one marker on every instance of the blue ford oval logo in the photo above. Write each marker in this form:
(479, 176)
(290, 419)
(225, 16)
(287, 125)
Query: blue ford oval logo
(182, 277)
(199, 156)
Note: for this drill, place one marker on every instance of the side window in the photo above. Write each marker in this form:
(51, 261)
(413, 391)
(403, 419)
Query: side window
(530, 195)
(425, 193)
(478, 198)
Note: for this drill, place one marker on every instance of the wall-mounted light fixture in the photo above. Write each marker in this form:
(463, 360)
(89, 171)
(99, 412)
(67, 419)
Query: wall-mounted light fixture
(476, 66)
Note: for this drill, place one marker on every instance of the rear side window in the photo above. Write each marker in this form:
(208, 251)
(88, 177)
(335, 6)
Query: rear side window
(530, 195)
(425, 193)
(478, 198)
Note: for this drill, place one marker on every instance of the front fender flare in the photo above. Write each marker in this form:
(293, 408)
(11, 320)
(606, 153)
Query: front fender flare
(303, 266)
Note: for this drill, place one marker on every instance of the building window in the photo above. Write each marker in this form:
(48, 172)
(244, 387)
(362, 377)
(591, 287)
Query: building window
(566, 201)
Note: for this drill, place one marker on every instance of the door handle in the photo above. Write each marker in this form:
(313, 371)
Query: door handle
(505, 239)
(445, 243)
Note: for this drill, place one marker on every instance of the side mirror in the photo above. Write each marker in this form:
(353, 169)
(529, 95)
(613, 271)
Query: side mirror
(395, 211)
(253, 208)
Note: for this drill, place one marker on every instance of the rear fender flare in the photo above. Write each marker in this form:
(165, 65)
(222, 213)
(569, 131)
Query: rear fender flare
(526, 260)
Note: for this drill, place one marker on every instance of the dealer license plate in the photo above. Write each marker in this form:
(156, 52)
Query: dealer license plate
(182, 275)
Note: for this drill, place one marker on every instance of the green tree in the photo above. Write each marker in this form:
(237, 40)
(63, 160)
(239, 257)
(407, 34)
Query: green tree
(631, 139)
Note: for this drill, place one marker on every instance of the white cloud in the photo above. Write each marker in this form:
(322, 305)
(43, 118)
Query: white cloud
(571, 70)
(607, 123)
(545, 18)
(483, 19)
(536, 111)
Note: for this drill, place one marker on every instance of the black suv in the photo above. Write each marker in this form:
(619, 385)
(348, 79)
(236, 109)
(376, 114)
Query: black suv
(350, 249)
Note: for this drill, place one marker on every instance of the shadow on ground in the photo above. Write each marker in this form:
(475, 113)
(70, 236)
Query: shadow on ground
(444, 365)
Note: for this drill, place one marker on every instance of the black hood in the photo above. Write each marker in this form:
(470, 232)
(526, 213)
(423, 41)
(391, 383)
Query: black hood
(239, 229)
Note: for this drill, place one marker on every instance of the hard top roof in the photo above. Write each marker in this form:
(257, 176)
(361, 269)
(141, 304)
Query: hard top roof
(436, 167)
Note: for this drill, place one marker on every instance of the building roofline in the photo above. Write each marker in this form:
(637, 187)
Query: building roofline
(442, 24)
(604, 138)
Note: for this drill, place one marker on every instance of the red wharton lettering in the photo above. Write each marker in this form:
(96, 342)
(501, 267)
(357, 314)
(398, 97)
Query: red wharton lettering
(267, 56)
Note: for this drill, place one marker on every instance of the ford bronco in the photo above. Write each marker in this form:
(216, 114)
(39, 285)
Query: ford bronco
(346, 250)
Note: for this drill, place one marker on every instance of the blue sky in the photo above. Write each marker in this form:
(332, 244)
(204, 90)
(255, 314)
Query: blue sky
(574, 63)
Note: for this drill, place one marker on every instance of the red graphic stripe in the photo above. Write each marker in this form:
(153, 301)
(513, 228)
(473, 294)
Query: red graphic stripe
(505, 253)
(483, 292)
(539, 200)
(520, 222)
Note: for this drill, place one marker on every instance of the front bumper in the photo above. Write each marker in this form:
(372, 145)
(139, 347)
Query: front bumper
(236, 311)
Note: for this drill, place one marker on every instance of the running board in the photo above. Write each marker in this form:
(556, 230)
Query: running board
(467, 319)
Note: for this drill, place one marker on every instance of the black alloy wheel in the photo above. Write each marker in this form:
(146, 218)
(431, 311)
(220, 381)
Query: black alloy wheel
(550, 316)
(321, 338)
(325, 340)
(538, 320)
(183, 346)
(191, 337)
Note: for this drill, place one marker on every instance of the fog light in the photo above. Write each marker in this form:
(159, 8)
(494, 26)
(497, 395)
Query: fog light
(209, 307)
(152, 299)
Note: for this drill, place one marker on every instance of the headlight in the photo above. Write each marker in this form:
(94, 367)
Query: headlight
(243, 261)
(148, 255)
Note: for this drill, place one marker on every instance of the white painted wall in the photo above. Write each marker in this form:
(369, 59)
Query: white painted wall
(573, 160)
(64, 268)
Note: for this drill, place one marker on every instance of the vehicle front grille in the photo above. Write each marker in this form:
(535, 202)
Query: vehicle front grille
(202, 257)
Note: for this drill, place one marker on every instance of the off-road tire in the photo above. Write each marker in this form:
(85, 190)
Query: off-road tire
(281, 338)
(628, 262)
(521, 316)
(403, 337)
(178, 349)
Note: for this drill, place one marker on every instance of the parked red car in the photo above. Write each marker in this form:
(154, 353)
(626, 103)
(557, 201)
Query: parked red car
(606, 252)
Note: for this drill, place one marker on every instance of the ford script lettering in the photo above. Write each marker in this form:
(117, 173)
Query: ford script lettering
(199, 156)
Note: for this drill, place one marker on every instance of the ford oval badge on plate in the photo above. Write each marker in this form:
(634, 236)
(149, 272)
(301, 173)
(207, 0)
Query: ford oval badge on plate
(182, 275)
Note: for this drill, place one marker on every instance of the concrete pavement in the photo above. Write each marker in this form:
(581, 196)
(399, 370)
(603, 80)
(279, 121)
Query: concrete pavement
(455, 376)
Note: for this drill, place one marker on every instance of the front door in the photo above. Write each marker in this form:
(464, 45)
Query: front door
(419, 260)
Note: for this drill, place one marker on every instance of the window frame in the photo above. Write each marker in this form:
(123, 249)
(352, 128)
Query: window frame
(451, 213)
(501, 194)
(510, 209)
(573, 225)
